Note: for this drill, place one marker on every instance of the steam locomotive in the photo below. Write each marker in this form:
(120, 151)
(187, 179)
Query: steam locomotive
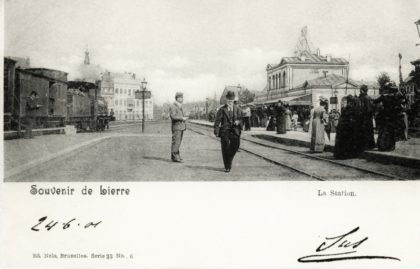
(62, 102)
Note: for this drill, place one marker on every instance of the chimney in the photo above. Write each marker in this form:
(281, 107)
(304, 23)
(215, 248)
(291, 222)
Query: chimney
(318, 52)
(328, 58)
(303, 58)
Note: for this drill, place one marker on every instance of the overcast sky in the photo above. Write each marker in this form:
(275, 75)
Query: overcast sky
(199, 46)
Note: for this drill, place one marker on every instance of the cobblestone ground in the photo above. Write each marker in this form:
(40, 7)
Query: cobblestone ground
(129, 155)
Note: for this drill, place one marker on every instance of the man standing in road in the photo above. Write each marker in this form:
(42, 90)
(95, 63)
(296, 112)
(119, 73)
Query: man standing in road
(228, 126)
(178, 126)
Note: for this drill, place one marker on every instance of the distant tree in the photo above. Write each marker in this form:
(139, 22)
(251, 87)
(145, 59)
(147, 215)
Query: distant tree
(382, 79)
(246, 96)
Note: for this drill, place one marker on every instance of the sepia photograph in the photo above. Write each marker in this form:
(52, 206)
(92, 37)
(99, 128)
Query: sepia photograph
(186, 91)
(210, 134)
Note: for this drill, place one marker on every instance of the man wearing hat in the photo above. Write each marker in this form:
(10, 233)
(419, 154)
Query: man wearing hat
(364, 118)
(228, 126)
(387, 118)
(178, 126)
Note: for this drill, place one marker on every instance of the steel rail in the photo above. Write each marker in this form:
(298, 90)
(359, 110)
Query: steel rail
(267, 159)
(319, 158)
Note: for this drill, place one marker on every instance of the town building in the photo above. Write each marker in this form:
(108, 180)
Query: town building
(124, 102)
(119, 91)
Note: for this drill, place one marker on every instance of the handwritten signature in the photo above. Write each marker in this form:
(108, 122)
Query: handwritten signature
(65, 225)
(342, 249)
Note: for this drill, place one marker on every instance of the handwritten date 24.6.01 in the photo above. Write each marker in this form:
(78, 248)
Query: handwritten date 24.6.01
(44, 224)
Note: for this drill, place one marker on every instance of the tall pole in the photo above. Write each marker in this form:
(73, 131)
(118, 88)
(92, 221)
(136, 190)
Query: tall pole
(142, 122)
(143, 85)
(399, 69)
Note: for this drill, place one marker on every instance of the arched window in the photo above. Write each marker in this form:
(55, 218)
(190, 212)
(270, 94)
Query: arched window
(269, 83)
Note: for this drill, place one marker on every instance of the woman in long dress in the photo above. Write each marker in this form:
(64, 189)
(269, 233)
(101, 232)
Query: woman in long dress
(280, 118)
(319, 119)
(288, 119)
(389, 110)
(345, 139)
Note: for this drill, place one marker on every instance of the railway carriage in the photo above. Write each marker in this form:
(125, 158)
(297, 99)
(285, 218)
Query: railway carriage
(51, 87)
(62, 102)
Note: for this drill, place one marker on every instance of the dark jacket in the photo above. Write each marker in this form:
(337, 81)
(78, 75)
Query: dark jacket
(224, 123)
(31, 107)
(176, 114)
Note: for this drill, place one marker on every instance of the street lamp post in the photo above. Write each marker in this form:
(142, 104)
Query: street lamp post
(143, 86)
(417, 23)
(239, 91)
(207, 108)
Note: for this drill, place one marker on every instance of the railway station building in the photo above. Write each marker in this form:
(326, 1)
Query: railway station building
(300, 80)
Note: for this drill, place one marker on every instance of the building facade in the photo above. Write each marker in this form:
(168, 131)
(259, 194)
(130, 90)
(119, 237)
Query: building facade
(118, 90)
(291, 72)
(302, 79)
(124, 102)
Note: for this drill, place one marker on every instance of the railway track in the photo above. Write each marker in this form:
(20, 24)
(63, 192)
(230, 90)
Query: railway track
(303, 163)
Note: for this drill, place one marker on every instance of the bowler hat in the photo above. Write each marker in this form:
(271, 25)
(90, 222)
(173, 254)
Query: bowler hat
(179, 94)
(390, 87)
(364, 88)
(230, 95)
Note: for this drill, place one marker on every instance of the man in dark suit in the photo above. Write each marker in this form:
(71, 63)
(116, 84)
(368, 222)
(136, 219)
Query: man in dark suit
(228, 126)
(31, 108)
(178, 126)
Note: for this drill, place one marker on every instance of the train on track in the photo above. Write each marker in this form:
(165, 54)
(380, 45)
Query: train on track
(62, 102)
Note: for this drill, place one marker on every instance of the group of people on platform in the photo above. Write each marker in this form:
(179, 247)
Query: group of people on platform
(271, 116)
(355, 125)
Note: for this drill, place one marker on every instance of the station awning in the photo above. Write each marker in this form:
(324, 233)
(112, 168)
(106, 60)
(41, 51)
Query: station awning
(300, 100)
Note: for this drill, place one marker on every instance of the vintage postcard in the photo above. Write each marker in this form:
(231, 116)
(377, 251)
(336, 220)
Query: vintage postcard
(210, 134)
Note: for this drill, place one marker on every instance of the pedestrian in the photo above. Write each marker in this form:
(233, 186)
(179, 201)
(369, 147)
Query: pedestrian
(364, 110)
(280, 118)
(388, 117)
(319, 120)
(247, 118)
(405, 110)
(333, 118)
(347, 129)
(31, 107)
(287, 116)
(295, 119)
(178, 126)
(254, 118)
(228, 126)
(306, 118)
(264, 117)
(111, 114)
